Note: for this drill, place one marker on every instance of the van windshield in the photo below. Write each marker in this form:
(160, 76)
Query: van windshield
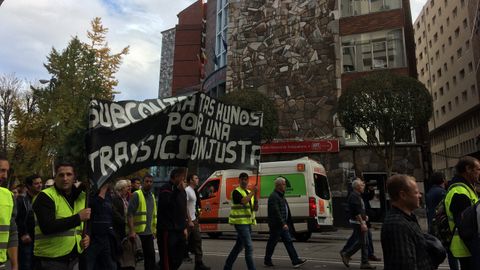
(322, 189)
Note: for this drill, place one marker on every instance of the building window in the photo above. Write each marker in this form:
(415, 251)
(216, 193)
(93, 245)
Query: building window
(419, 41)
(450, 40)
(375, 50)
(439, 73)
(221, 37)
(456, 101)
(457, 32)
(449, 106)
(473, 90)
(454, 12)
(445, 67)
(459, 52)
(462, 73)
(441, 91)
(443, 48)
(467, 44)
(464, 96)
(433, 19)
(448, 21)
(435, 37)
(465, 23)
(447, 86)
(470, 67)
(443, 110)
(435, 96)
(420, 56)
(439, 11)
(454, 79)
(441, 29)
(354, 7)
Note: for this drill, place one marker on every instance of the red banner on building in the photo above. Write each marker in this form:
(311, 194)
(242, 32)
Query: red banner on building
(316, 146)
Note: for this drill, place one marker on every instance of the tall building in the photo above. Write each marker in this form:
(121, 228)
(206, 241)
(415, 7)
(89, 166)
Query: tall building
(447, 52)
(166, 63)
(301, 54)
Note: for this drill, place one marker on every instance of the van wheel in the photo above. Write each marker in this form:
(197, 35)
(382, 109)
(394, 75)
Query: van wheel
(214, 235)
(302, 237)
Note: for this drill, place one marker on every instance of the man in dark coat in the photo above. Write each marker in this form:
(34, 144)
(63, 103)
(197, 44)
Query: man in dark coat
(279, 220)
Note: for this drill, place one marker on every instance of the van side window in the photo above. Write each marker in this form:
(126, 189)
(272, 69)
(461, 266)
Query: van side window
(210, 189)
(322, 189)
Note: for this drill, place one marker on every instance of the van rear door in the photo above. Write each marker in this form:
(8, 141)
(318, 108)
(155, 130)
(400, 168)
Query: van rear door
(324, 205)
(210, 199)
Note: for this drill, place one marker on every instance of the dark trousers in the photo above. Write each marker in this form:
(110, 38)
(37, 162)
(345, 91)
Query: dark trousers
(275, 234)
(452, 261)
(466, 263)
(357, 241)
(195, 243)
(58, 265)
(171, 246)
(99, 255)
(26, 260)
(148, 251)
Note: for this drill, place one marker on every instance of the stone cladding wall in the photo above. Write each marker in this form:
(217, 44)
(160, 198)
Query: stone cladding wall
(285, 49)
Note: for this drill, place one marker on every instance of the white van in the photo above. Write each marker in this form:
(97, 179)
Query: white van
(308, 195)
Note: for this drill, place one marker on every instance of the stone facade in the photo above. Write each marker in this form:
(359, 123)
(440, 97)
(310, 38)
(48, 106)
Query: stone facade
(286, 50)
(166, 63)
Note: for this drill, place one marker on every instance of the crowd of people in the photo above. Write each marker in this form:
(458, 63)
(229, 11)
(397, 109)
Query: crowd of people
(61, 225)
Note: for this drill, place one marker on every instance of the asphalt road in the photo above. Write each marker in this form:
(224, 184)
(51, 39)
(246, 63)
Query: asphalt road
(321, 251)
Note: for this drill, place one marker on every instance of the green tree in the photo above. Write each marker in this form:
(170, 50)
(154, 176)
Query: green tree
(80, 72)
(256, 101)
(383, 109)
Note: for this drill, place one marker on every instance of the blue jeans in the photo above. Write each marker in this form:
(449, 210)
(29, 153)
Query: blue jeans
(244, 240)
(287, 241)
(357, 241)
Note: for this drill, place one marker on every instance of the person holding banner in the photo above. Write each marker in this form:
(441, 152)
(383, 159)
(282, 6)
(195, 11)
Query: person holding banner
(142, 219)
(172, 220)
(242, 216)
(60, 212)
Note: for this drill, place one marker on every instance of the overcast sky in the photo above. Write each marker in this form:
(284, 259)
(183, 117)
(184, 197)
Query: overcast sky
(30, 28)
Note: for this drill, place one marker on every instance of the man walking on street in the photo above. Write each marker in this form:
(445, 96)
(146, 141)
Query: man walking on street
(172, 220)
(279, 222)
(8, 227)
(26, 222)
(460, 196)
(403, 243)
(194, 237)
(358, 220)
(60, 212)
(242, 216)
(142, 220)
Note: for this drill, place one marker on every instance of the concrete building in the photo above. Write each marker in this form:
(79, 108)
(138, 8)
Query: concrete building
(447, 52)
(301, 54)
(166, 63)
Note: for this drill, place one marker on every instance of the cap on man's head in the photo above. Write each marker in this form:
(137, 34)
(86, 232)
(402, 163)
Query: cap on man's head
(49, 183)
(243, 175)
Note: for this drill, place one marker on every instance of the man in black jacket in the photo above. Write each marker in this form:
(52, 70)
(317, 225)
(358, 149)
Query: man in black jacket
(279, 220)
(26, 222)
(172, 220)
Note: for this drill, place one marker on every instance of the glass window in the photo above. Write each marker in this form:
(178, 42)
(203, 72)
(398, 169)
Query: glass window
(321, 186)
(375, 50)
(210, 189)
(359, 7)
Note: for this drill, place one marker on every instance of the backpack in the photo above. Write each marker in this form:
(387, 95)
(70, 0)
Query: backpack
(468, 226)
(440, 227)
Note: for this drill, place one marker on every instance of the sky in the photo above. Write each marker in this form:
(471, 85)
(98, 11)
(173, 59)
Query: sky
(29, 29)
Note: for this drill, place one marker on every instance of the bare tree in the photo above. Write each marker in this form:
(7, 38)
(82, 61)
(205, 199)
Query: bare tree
(10, 86)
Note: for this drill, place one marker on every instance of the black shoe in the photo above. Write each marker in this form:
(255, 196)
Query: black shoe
(269, 264)
(201, 266)
(299, 263)
(345, 258)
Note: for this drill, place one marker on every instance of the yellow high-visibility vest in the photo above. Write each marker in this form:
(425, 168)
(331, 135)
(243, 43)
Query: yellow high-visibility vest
(240, 213)
(6, 206)
(60, 243)
(140, 217)
(458, 247)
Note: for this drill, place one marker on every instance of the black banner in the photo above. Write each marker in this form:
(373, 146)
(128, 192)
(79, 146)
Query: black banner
(126, 136)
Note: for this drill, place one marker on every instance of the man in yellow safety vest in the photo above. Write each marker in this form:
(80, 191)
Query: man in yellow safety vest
(460, 196)
(60, 213)
(242, 216)
(8, 228)
(142, 219)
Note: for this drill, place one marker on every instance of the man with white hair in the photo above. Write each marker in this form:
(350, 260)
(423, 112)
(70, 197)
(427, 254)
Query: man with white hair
(279, 222)
(358, 220)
